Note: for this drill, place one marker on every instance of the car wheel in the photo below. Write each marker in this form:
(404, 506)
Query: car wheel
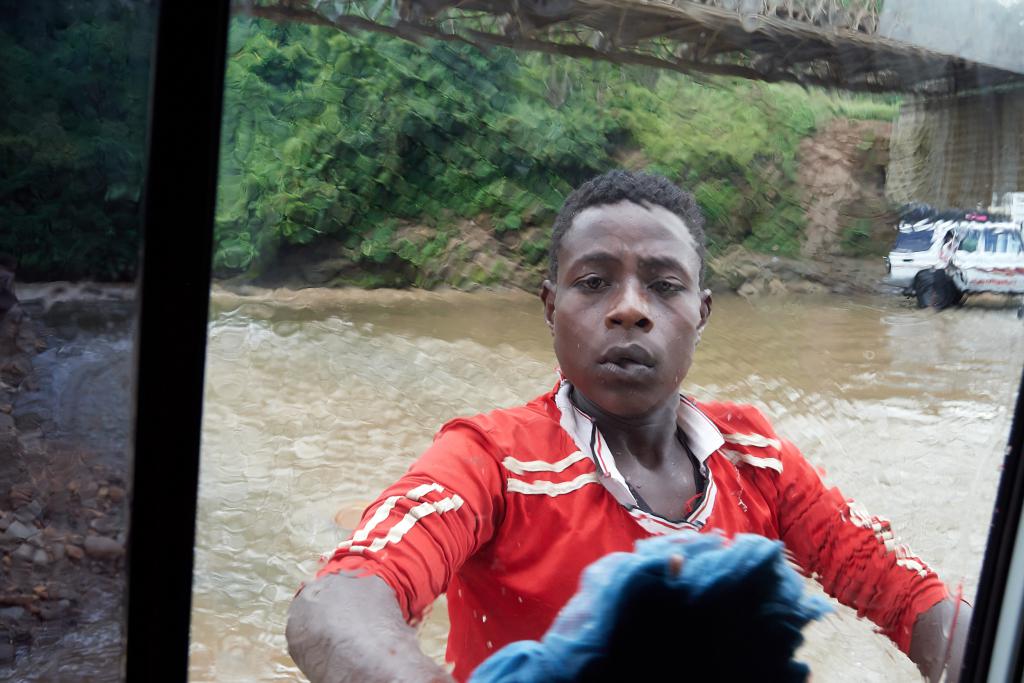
(924, 288)
(945, 290)
(959, 296)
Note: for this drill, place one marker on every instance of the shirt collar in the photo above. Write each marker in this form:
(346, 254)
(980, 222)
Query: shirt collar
(702, 436)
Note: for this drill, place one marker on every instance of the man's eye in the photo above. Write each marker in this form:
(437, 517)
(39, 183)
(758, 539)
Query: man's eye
(665, 286)
(592, 282)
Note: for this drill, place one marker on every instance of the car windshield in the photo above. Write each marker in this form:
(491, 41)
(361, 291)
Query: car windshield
(918, 240)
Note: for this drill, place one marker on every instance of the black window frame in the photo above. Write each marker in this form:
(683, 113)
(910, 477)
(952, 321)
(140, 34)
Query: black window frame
(173, 299)
(183, 142)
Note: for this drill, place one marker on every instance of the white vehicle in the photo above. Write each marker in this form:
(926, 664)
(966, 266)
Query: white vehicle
(989, 258)
(916, 249)
(977, 257)
(942, 256)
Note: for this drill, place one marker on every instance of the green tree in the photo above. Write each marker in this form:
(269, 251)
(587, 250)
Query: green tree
(329, 134)
(72, 135)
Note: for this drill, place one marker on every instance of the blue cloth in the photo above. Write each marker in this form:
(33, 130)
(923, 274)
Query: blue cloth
(733, 613)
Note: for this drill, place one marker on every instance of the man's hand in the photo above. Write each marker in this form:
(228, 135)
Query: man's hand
(343, 629)
(939, 638)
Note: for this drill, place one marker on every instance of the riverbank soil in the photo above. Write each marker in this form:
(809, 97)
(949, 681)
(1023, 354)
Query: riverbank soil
(842, 173)
(849, 221)
(63, 472)
(751, 274)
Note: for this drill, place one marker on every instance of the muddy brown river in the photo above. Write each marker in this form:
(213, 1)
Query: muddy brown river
(317, 400)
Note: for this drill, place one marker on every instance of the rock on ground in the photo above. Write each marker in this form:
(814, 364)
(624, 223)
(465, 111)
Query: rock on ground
(102, 548)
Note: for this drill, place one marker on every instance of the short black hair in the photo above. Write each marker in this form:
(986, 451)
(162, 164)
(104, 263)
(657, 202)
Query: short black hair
(616, 186)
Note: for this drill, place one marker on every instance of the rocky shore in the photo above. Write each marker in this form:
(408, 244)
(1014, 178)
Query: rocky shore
(753, 275)
(62, 520)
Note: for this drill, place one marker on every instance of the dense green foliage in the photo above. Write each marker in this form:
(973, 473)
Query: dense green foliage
(72, 135)
(384, 147)
(353, 136)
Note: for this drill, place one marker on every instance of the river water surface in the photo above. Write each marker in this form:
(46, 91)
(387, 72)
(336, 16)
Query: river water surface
(316, 400)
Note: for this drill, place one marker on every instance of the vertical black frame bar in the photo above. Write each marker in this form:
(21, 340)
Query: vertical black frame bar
(186, 93)
(999, 552)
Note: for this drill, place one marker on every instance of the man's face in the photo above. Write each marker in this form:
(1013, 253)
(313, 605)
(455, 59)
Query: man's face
(627, 309)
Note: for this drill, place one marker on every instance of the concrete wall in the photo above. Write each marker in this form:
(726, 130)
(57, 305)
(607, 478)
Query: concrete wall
(986, 31)
(957, 152)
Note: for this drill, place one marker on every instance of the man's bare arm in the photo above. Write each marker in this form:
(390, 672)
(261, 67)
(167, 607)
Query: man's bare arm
(938, 643)
(343, 629)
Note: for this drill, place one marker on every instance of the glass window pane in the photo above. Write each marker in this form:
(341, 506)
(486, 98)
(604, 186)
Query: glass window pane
(72, 143)
(918, 240)
(385, 216)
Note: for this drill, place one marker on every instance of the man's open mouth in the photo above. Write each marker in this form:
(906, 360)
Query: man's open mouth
(628, 356)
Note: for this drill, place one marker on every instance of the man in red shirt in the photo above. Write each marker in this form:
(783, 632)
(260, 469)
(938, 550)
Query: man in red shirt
(505, 510)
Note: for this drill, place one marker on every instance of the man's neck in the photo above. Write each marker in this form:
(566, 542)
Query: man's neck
(648, 439)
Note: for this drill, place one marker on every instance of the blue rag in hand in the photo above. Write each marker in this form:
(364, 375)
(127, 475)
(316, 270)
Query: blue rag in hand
(733, 613)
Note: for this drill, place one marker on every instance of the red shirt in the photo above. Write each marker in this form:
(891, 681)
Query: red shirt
(505, 510)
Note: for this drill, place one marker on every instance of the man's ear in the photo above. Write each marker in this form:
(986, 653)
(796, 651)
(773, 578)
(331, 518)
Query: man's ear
(705, 311)
(547, 295)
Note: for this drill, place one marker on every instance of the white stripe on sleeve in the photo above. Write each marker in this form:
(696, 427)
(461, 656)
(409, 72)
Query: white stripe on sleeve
(384, 511)
(398, 531)
(551, 488)
(524, 466)
(757, 440)
(753, 460)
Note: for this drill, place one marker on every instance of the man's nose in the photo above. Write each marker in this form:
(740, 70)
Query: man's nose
(629, 308)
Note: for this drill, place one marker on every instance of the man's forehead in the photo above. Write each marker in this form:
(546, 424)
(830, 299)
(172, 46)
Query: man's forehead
(629, 221)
